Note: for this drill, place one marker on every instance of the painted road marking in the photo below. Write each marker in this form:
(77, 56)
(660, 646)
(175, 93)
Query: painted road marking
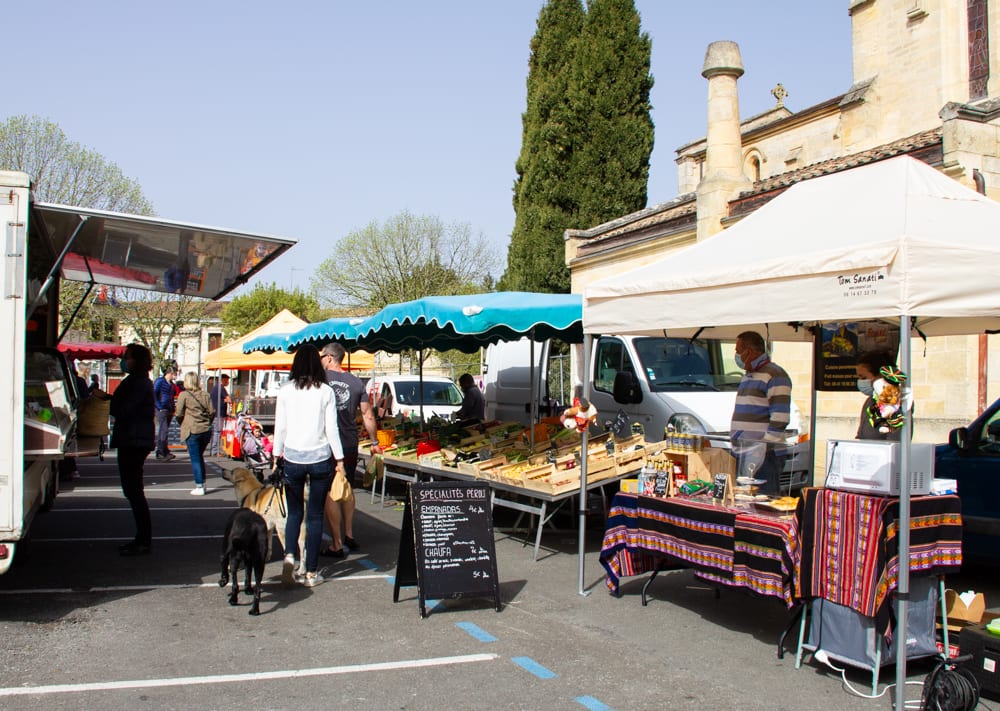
(534, 667)
(258, 676)
(593, 704)
(365, 563)
(128, 509)
(476, 631)
(125, 538)
(161, 586)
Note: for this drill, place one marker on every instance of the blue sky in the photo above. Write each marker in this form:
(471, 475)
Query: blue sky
(310, 119)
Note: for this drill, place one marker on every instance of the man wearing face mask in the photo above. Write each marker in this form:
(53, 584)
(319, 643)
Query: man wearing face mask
(867, 367)
(762, 411)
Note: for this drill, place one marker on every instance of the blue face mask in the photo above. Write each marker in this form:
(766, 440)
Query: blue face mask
(865, 387)
(123, 364)
(739, 362)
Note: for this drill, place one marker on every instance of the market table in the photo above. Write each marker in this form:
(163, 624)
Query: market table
(850, 546)
(850, 555)
(756, 551)
(540, 502)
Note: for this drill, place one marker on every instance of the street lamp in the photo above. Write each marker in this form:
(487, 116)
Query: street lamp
(291, 279)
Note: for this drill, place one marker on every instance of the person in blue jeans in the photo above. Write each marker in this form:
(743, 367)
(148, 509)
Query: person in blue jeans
(195, 413)
(163, 395)
(307, 440)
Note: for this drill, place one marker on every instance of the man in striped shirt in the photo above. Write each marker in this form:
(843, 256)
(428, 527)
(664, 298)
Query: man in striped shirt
(762, 412)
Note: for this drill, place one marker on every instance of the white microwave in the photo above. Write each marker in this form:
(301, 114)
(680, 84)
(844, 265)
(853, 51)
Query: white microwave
(873, 467)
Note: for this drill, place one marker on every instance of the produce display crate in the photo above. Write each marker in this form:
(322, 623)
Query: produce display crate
(628, 462)
(629, 442)
(434, 459)
(481, 468)
(519, 473)
(600, 468)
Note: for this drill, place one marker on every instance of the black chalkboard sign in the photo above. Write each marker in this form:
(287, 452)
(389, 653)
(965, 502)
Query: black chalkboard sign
(619, 424)
(719, 486)
(446, 543)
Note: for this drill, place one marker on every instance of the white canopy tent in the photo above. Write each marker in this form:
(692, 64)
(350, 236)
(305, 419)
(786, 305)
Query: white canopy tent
(892, 240)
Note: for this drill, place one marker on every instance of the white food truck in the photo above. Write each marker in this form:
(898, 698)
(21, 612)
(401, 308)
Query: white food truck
(44, 244)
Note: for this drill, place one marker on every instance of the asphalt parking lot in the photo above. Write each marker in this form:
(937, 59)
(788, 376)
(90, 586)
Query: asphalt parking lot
(84, 628)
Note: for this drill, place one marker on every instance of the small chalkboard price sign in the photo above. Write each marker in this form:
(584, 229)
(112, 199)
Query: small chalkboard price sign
(722, 488)
(446, 543)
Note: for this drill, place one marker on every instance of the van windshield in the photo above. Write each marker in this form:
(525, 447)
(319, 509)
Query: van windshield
(675, 364)
(434, 393)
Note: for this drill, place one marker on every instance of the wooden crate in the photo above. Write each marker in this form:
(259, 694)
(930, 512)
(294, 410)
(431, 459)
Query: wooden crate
(600, 467)
(628, 462)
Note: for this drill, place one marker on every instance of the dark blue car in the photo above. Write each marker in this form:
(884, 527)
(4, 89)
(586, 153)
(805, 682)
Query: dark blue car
(972, 457)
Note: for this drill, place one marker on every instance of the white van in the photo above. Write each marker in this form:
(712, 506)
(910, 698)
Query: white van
(689, 384)
(393, 395)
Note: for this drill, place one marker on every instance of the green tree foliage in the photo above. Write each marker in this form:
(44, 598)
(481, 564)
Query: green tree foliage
(587, 134)
(609, 89)
(64, 171)
(544, 205)
(405, 258)
(157, 321)
(247, 312)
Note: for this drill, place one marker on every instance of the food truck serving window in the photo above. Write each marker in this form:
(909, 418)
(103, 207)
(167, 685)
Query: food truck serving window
(153, 254)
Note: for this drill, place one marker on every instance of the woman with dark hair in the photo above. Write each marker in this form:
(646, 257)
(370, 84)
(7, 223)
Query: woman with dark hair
(134, 436)
(306, 437)
(867, 367)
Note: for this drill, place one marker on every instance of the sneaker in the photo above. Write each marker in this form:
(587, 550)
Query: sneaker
(288, 571)
(311, 580)
(198, 491)
(169, 457)
(160, 457)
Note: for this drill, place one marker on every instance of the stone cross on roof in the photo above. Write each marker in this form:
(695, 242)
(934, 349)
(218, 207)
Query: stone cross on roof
(779, 93)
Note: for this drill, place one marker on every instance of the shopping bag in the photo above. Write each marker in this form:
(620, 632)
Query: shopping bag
(341, 489)
(374, 470)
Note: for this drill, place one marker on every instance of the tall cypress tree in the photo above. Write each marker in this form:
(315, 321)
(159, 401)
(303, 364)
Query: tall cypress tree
(543, 205)
(587, 134)
(609, 90)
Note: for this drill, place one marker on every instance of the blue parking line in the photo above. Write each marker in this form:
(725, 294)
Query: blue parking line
(365, 563)
(476, 631)
(391, 579)
(593, 704)
(534, 667)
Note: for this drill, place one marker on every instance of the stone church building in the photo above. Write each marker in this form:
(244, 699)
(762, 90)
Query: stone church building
(926, 83)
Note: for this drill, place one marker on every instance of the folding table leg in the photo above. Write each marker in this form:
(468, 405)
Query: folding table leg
(541, 524)
(802, 636)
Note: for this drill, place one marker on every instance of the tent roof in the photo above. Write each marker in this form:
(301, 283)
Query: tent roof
(464, 322)
(91, 351)
(231, 356)
(884, 240)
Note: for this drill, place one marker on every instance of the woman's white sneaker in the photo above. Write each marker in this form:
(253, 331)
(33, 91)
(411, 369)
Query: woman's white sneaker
(198, 491)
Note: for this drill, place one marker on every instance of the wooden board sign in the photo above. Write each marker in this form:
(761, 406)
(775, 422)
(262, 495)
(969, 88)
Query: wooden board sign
(446, 543)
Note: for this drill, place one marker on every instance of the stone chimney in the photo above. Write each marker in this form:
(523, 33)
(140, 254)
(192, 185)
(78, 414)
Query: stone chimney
(722, 178)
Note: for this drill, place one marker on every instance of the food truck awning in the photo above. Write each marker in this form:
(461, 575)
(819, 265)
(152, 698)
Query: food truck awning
(153, 254)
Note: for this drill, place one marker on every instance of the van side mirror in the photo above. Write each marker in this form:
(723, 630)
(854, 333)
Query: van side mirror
(958, 438)
(626, 390)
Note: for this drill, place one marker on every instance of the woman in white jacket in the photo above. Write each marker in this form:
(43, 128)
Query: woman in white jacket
(306, 437)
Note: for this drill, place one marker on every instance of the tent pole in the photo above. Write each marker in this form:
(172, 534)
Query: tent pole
(903, 586)
(581, 542)
(814, 401)
(420, 369)
(531, 398)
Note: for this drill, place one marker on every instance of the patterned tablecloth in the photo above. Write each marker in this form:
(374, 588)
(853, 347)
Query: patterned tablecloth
(850, 547)
(730, 546)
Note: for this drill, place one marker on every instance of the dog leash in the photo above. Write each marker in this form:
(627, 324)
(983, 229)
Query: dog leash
(277, 483)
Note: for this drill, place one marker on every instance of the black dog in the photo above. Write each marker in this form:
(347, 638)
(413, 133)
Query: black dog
(245, 543)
